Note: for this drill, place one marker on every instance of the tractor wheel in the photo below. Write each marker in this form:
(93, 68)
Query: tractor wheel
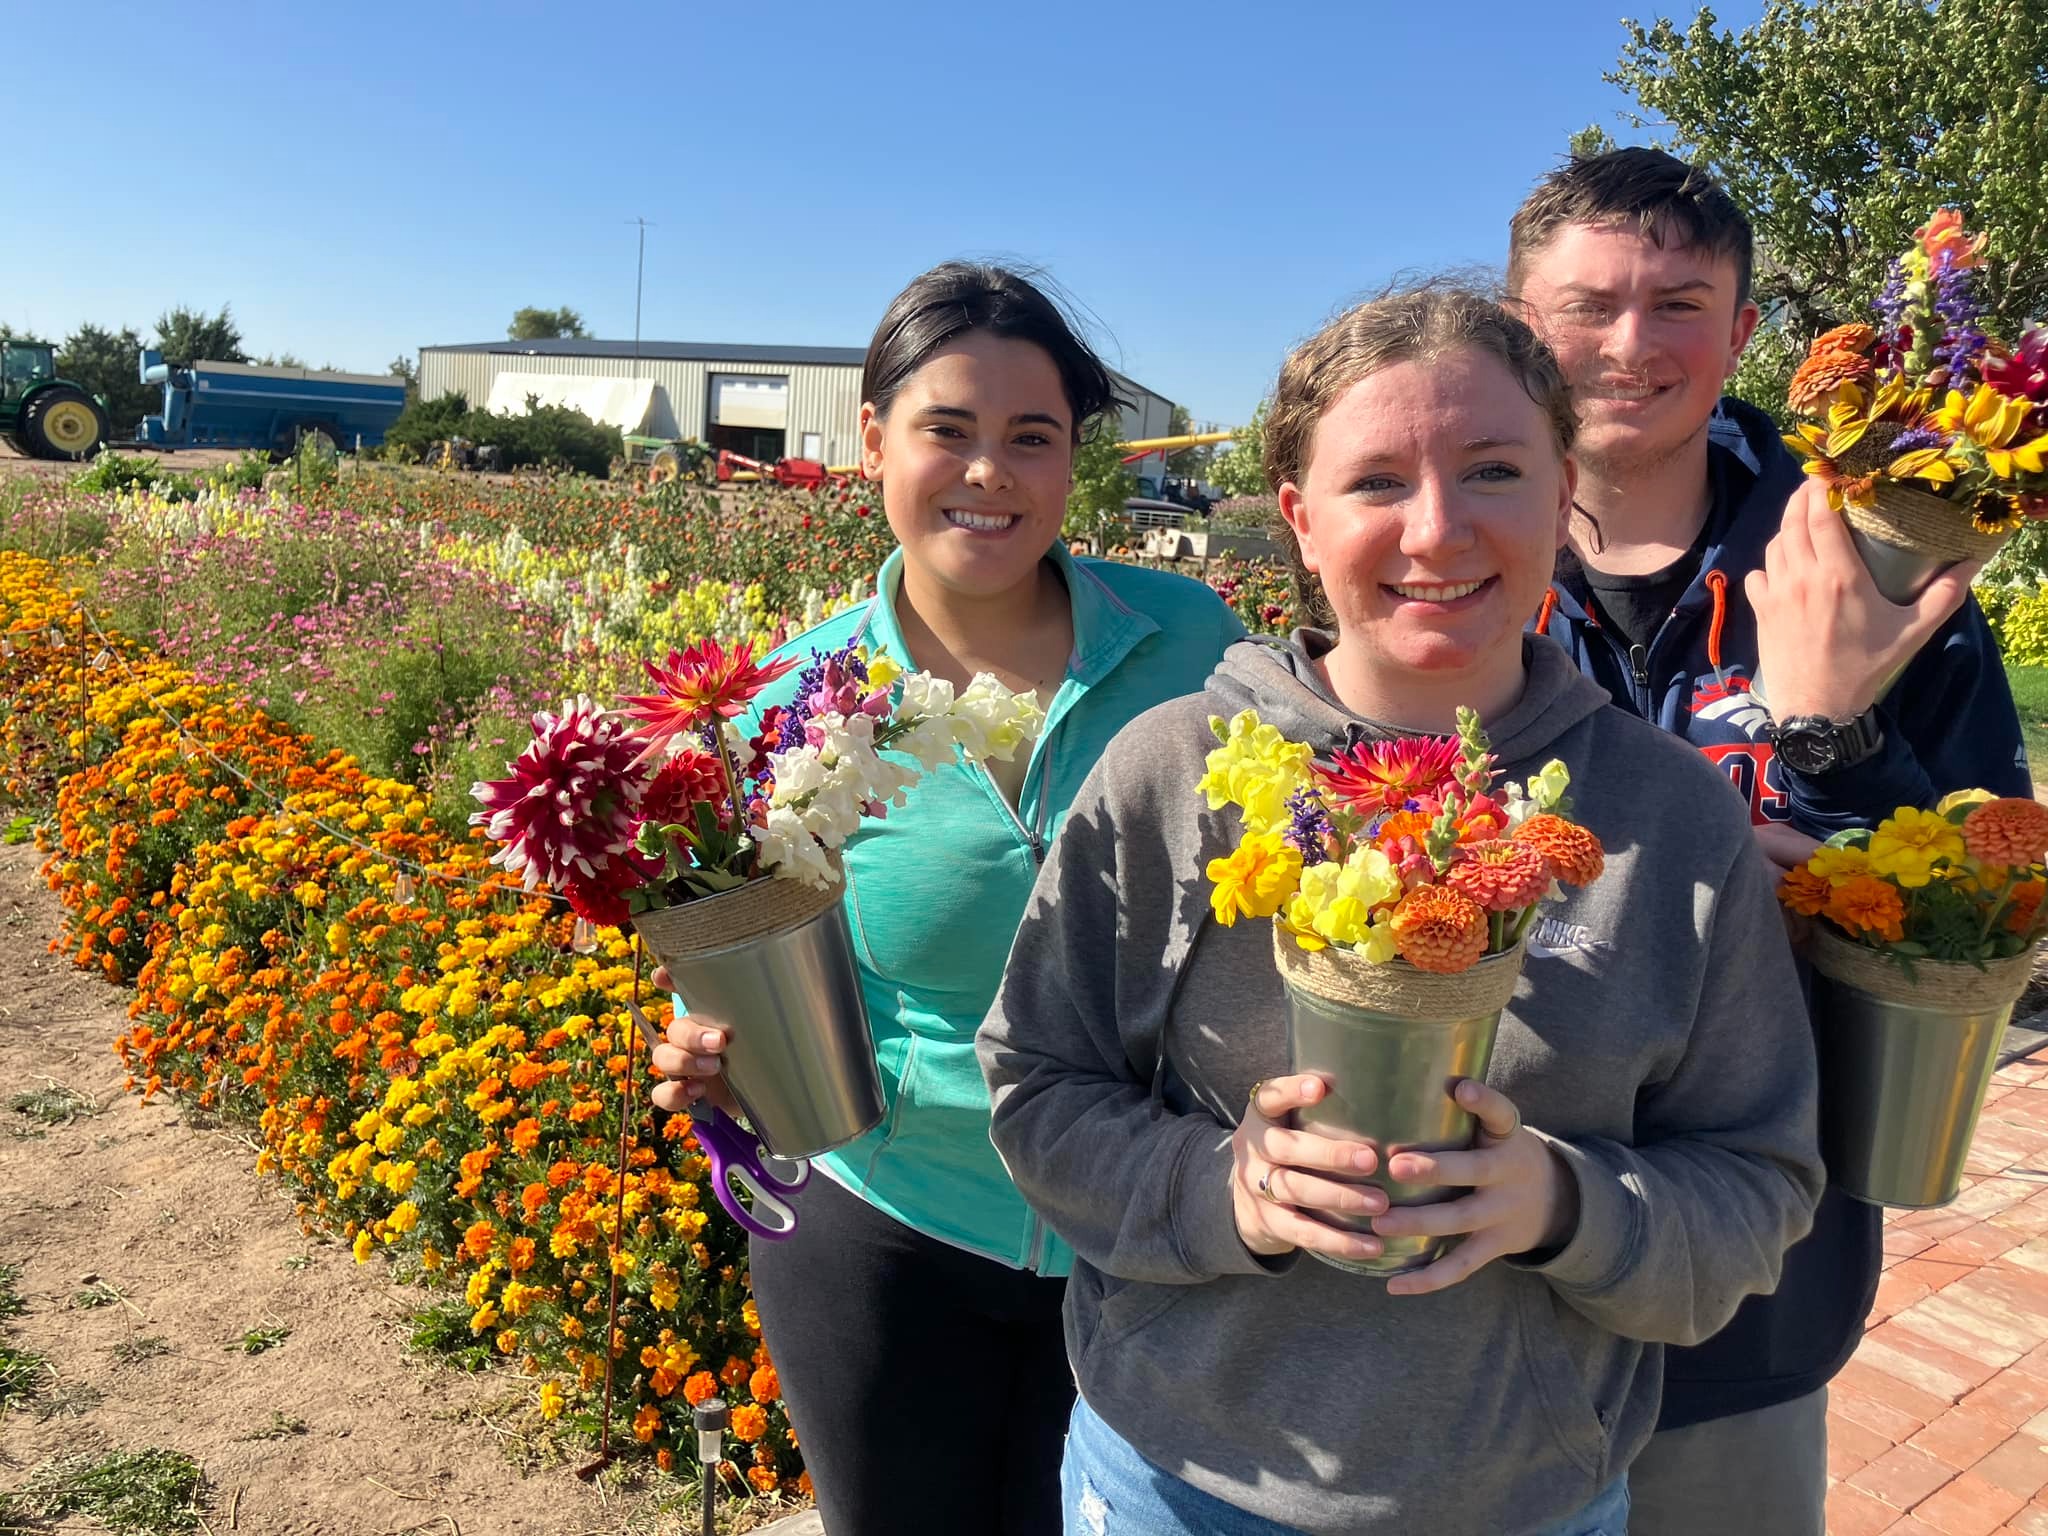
(666, 465)
(63, 423)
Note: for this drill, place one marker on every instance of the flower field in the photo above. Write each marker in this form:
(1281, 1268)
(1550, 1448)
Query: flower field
(244, 730)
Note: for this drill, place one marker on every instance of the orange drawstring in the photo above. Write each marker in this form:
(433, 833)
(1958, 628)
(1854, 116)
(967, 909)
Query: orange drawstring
(1543, 615)
(1717, 583)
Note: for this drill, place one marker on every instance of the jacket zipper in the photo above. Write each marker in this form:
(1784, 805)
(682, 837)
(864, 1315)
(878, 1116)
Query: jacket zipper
(1033, 835)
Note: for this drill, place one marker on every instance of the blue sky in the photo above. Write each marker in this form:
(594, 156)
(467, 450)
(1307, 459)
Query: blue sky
(1210, 181)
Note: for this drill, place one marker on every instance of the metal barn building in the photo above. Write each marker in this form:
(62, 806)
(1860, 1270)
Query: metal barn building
(764, 402)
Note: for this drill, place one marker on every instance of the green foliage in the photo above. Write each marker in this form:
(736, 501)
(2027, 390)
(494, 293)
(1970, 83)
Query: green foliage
(132, 1493)
(190, 336)
(1765, 372)
(531, 324)
(1188, 463)
(105, 363)
(2030, 698)
(1239, 470)
(1589, 141)
(443, 1332)
(408, 369)
(1839, 126)
(545, 436)
(1103, 482)
(133, 472)
(256, 1341)
(241, 474)
(2019, 620)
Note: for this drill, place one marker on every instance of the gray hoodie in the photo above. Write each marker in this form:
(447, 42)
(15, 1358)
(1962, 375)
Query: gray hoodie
(1657, 1039)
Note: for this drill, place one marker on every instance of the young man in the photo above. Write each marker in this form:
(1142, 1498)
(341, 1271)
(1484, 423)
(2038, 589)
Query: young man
(1700, 560)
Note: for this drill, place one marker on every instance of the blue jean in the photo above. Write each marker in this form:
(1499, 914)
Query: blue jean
(1108, 1489)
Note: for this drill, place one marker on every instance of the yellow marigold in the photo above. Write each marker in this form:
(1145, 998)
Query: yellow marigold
(749, 1422)
(1910, 842)
(1575, 854)
(2007, 832)
(1255, 879)
(1838, 864)
(1439, 928)
(551, 1401)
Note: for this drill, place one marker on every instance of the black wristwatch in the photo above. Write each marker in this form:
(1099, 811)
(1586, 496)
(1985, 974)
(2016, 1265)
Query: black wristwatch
(1814, 744)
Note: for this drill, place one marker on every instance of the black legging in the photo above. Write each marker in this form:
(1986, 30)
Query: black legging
(929, 1388)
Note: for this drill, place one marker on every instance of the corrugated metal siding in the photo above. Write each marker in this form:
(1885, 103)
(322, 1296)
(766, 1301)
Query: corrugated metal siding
(825, 400)
(822, 399)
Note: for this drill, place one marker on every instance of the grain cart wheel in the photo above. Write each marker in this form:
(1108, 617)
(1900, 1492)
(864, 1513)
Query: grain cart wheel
(666, 465)
(63, 423)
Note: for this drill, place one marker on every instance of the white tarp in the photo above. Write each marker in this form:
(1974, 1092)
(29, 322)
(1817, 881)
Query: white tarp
(622, 403)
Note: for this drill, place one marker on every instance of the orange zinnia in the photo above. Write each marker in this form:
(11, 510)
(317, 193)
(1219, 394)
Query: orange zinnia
(2007, 832)
(1575, 854)
(1439, 928)
(1835, 359)
(1501, 876)
(2026, 905)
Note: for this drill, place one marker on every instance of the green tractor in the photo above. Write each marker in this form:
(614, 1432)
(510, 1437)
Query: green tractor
(42, 415)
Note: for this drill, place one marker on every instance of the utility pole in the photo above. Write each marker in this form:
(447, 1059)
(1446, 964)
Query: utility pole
(639, 275)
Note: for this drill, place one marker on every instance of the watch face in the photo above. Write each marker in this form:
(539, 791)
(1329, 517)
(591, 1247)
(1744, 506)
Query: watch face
(1806, 750)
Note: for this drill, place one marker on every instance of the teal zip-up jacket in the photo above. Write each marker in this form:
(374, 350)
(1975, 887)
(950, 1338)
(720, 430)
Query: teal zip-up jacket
(935, 891)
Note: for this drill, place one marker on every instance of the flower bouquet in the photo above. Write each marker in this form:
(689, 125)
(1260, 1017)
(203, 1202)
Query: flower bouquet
(1402, 889)
(1924, 939)
(718, 843)
(1931, 435)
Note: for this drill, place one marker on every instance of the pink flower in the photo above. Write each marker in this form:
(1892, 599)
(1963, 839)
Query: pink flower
(1385, 775)
(570, 810)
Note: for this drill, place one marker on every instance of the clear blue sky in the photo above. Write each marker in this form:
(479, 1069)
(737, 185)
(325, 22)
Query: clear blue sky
(360, 180)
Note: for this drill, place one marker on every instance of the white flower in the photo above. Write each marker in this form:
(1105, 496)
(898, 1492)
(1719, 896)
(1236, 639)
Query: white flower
(789, 852)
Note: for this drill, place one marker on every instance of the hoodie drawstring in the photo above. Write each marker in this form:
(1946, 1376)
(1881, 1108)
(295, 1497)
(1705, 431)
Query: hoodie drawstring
(1543, 614)
(1717, 583)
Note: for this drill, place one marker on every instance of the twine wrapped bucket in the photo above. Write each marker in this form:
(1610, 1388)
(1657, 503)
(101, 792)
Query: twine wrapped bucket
(1392, 1042)
(1904, 1066)
(772, 962)
(1909, 537)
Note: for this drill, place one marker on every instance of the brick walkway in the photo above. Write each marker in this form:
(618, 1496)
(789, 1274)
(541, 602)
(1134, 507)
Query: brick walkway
(1940, 1423)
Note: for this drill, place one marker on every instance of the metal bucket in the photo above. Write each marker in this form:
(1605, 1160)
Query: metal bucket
(800, 1058)
(1901, 1086)
(1390, 1080)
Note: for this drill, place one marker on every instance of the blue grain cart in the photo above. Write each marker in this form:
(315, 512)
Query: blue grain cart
(239, 405)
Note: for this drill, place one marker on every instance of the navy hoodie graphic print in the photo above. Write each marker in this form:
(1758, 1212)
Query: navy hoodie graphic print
(1949, 723)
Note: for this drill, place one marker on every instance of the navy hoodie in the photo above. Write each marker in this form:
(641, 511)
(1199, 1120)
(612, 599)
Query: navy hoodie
(1949, 723)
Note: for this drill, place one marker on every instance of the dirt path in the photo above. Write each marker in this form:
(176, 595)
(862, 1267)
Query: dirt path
(173, 1218)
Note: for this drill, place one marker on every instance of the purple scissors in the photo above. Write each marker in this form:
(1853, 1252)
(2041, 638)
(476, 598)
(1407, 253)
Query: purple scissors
(736, 1155)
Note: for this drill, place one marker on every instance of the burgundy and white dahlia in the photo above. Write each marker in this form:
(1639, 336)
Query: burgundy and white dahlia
(570, 810)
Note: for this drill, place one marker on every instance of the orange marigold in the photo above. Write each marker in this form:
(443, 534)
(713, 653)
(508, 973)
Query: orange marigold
(735, 1371)
(765, 1385)
(2026, 905)
(646, 1422)
(749, 1422)
(1575, 854)
(2007, 832)
(1805, 892)
(1866, 904)
(1501, 876)
(476, 1242)
(700, 1388)
(1439, 928)
(763, 1478)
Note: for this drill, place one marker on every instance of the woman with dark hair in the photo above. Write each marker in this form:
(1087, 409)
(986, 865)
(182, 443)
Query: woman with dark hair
(915, 1316)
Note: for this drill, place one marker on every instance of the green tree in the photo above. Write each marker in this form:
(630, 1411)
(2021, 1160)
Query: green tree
(1839, 126)
(403, 367)
(107, 363)
(1102, 481)
(1239, 469)
(1187, 463)
(544, 324)
(1589, 141)
(191, 336)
